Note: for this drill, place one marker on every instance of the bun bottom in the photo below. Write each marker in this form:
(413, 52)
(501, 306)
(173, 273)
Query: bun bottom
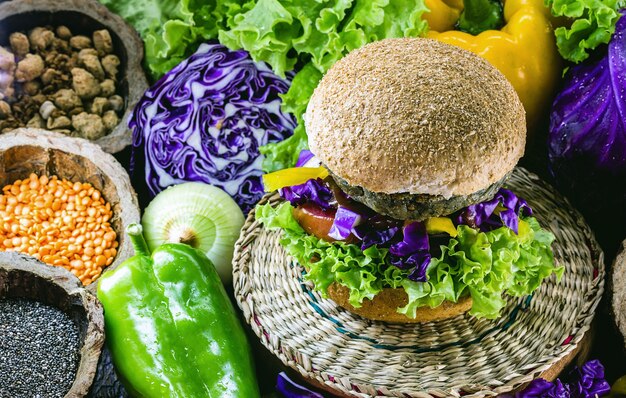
(383, 307)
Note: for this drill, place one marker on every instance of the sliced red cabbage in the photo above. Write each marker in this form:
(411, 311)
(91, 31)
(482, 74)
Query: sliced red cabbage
(377, 230)
(418, 262)
(510, 219)
(585, 382)
(345, 220)
(304, 157)
(409, 246)
(477, 214)
(484, 215)
(313, 191)
(290, 389)
(511, 201)
(413, 251)
(414, 238)
(590, 380)
(205, 121)
(540, 388)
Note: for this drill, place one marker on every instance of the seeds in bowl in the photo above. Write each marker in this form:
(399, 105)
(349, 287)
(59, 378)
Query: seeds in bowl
(59, 222)
(39, 347)
(53, 79)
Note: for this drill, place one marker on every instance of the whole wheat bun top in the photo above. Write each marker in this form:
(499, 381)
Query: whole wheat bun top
(418, 116)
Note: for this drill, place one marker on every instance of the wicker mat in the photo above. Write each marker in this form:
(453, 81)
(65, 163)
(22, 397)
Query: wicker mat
(463, 356)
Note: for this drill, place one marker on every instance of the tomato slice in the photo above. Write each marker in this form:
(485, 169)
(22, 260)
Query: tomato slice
(314, 220)
(317, 222)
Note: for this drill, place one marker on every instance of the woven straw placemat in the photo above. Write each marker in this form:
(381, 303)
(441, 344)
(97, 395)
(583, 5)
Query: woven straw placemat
(463, 356)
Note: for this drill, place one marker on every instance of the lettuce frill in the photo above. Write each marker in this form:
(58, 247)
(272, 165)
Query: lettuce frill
(484, 265)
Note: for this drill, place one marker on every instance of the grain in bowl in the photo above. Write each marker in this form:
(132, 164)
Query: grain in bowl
(59, 222)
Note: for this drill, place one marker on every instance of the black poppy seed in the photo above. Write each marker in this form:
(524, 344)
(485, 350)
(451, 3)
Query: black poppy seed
(39, 350)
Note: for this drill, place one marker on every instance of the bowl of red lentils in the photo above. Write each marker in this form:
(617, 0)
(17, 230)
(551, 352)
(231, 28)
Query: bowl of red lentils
(65, 202)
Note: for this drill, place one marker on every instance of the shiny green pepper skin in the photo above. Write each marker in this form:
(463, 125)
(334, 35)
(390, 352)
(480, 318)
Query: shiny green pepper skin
(171, 327)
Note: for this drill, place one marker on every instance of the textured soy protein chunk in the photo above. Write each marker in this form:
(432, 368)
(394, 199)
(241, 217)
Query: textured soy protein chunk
(54, 79)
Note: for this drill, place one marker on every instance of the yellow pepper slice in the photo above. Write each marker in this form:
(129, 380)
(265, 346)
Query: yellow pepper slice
(524, 228)
(438, 225)
(292, 176)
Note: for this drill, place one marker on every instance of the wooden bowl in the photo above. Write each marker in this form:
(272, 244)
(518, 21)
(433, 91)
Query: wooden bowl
(618, 290)
(25, 151)
(22, 276)
(85, 17)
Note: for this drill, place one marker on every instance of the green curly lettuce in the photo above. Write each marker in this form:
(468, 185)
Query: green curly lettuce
(172, 30)
(483, 265)
(313, 34)
(285, 153)
(593, 25)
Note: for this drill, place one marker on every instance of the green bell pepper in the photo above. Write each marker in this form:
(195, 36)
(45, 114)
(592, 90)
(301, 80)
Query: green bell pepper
(171, 327)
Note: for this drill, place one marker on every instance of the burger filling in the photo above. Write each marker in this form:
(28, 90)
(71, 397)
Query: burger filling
(483, 250)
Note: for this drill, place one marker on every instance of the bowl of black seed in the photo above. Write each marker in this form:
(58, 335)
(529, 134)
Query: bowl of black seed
(70, 66)
(51, 330)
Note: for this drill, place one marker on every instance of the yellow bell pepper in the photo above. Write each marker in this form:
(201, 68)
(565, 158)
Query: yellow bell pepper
(442, 14)
(524, 49)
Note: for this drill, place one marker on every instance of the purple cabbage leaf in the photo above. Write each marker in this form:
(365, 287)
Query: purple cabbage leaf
(304, 156)
(487, 216)
(413, 251)
(588, 118)
(587, 381)
(313, 191)
(345, 220)
(377, 230)
(290, 389)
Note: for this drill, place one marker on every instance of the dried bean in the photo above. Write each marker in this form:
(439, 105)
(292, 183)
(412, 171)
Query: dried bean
(80, 42)
(102, 42)
(63, 32)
